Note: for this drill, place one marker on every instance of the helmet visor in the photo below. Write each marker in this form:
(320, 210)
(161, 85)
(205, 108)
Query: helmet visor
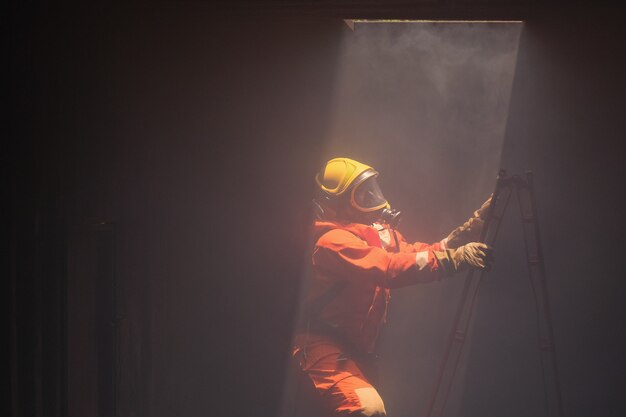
(368, 196)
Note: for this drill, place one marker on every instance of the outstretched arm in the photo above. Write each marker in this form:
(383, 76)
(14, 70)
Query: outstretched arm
(468, 231)
(351, 258)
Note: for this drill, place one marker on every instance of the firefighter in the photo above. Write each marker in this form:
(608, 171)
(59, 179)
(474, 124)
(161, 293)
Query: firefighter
(357, 258)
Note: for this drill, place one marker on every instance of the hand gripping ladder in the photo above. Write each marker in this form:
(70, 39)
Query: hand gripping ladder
(523, 188)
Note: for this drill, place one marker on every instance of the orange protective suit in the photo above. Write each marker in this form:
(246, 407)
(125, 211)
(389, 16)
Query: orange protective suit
(368, 262)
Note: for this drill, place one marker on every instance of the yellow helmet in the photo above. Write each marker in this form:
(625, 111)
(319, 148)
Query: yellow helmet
(344, 180)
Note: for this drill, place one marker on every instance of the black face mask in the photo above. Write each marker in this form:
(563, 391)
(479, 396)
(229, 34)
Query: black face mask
(391, 217)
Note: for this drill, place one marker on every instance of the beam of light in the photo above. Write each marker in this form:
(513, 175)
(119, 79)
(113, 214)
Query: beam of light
(426, 103)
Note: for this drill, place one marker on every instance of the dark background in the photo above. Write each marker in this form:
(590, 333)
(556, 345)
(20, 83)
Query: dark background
(158, 169)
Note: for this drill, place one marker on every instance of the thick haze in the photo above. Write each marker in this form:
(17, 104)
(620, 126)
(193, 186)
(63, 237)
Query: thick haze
(160, 182)
(425, 104)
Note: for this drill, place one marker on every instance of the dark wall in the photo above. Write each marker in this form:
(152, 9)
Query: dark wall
(178, 146)
(192, 137)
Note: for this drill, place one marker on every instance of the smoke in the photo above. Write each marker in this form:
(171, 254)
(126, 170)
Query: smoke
(426, 104)
(428, 101)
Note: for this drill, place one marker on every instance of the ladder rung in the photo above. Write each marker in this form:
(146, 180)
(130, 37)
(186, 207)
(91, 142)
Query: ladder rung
(534, 260)
(459, 335)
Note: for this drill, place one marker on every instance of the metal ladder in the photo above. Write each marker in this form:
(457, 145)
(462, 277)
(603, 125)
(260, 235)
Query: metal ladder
(505, 187)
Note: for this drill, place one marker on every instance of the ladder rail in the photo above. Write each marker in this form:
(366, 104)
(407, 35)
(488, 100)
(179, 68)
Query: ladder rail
(524, 190)
(537, 276)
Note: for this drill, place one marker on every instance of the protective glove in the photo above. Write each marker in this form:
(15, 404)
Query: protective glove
(470, 230)
(472, 255)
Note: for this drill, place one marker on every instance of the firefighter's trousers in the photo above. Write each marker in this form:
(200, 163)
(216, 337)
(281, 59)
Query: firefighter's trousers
(340, 382)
